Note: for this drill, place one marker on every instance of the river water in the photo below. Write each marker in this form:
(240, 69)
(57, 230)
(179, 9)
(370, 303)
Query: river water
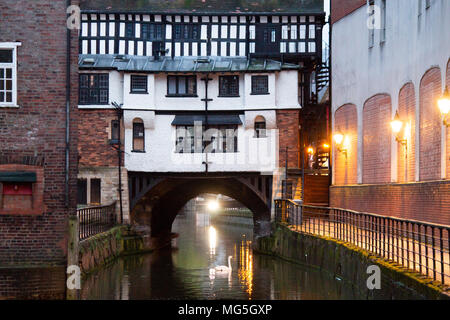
(184, 272)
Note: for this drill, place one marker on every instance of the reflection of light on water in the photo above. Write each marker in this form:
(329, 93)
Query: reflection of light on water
(212, 240)
(246, 266)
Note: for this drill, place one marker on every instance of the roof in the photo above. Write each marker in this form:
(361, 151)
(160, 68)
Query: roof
(202, 6)
(180, 64)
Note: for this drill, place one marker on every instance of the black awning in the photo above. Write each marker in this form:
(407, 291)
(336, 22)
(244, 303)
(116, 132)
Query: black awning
(17, 176)
(213, 119)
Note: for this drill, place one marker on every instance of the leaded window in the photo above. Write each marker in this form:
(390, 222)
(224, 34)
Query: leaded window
(94, 89)
(139, 84)
(260, 85)
(229, 86)
(182, 86)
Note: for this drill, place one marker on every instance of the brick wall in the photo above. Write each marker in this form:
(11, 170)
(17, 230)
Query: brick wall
(447, 82)
(288, 123)
(37, 128)
(94, 131)
(377, 140)
(430, 126)
(346, 166)
(406, 155)
(425, 201)
(341, 8)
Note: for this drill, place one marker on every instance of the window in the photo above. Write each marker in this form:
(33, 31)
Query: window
(229, 86)
(184, 86)
(139, 84)
(115, 131)
(94, 89)
(151, 31)
(129, 30)
(383, 21)
(260, 85)
(96, 191)
(217, 139)
(270, 35)
(372, 22)
(138, 136)
(260, 127)
(82, 192)
(186, 32)
(8, 78)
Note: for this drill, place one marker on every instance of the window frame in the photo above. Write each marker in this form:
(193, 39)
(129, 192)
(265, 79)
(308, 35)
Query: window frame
(256, 93)
(229, 94)
(133, 90)
(134, 137)
(113, 140)
(98, 88)
(261, 129)
(182, 95)
(221, 146)
(13, 66)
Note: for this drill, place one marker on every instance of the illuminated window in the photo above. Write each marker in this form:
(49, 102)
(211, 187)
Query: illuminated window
(138, 136)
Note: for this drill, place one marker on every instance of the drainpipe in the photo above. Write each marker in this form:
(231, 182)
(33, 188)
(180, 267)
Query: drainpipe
(206, 100)
(68, 94)
(119, 111)
(330, 107)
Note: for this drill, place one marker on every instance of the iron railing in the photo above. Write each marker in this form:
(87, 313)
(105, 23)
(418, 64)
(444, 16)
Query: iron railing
(419, 246)
(95, 220)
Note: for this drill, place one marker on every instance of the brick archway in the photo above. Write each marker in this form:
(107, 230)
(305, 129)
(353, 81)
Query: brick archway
(377, 140)
(430, 125)
(406, 155)
(346, 166)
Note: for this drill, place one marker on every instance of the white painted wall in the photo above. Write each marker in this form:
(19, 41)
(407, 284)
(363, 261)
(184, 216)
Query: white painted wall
(413, 45)
(283, 93)
(255, 155)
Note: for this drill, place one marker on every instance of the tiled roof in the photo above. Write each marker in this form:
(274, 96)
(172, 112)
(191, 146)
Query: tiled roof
(180, 64)
(204, 6)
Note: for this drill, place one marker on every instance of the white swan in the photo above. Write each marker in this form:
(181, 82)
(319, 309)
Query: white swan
(225, 269)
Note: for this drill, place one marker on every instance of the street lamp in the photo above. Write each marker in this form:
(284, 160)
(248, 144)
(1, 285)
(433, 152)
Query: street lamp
(444, 106)
(397, 126)
(339, 141)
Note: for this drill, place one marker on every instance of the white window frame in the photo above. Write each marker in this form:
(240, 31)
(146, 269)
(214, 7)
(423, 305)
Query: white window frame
(13, 65)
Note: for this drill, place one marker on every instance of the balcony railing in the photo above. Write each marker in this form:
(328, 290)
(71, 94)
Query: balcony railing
(419, 246)
(95, 220)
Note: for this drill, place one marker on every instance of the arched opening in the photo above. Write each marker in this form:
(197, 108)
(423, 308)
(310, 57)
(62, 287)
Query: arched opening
(138, 135)
(260, 127)
(160, 205)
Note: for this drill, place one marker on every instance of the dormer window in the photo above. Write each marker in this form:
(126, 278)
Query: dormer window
(8, 74)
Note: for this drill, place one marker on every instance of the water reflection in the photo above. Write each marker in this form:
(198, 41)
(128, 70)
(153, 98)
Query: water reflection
(188, 270)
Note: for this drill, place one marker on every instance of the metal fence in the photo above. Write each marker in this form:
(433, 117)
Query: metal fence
(416, 245)
(95, 220)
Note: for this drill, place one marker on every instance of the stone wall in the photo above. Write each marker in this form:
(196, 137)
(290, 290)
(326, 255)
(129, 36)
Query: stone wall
(109, 177)
(348, 263)
(104, 248)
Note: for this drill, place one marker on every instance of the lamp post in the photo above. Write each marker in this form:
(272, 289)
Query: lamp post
(444, 107)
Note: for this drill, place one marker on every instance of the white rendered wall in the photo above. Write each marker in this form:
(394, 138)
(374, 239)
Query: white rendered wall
(255, 155)
(413, 45)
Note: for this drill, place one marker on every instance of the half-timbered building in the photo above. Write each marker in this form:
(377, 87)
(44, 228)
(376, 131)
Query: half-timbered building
(168, 65)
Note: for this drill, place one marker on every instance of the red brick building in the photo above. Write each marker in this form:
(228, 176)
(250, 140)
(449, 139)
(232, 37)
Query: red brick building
(38, 148)
(398, 63)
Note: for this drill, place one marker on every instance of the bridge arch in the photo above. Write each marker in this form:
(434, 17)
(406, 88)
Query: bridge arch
(156, 201)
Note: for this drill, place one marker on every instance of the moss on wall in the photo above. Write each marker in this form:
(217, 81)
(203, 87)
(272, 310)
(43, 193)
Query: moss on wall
(104, 248)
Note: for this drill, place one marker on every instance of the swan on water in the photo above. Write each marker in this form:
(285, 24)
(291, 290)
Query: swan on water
(225, 268)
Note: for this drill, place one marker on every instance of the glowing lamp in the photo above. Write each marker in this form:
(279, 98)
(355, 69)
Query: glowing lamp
(310, 150)
(326, 146)
(396, 124)
(444, 106)
(213, 205)
(338, 138)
